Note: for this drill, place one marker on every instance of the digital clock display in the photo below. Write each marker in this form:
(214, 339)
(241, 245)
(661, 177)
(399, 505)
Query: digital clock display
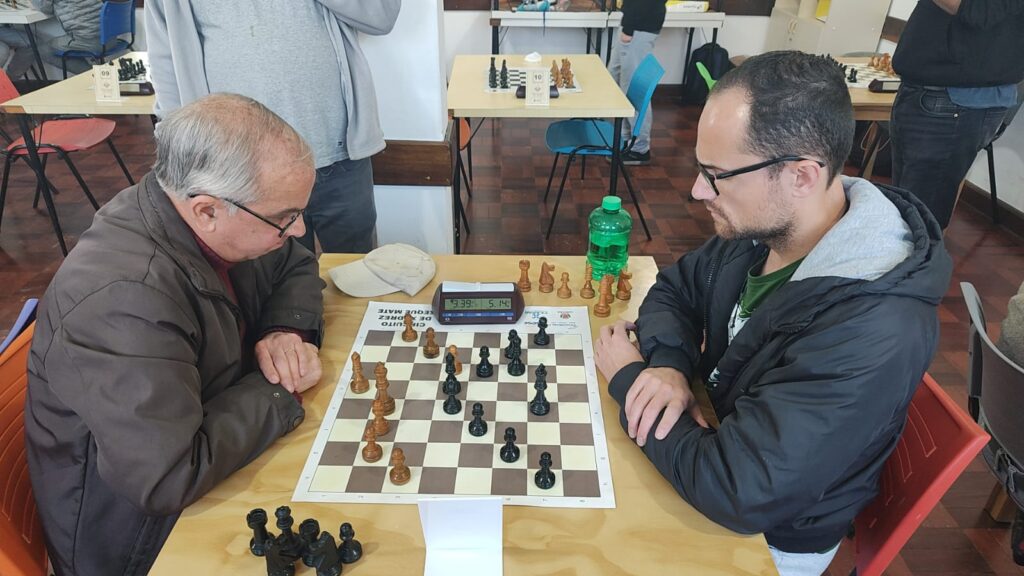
(478, 303)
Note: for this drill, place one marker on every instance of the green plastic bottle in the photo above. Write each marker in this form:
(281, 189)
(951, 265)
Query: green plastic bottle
(610, 226)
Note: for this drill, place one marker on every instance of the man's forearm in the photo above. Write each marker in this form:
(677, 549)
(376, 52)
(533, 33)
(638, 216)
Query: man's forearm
(951, 7)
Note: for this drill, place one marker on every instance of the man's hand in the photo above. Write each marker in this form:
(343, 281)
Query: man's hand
(656, 390)
(614, 351)
(626, 38)
(286, 360)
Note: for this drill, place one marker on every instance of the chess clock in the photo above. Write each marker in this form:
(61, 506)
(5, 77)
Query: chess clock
(478, 303)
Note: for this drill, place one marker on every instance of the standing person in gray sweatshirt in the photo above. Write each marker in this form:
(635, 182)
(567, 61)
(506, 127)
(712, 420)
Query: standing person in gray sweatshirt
(301, 59)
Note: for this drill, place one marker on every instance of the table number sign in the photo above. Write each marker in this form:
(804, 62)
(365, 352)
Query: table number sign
(108, 89)
(538, 81)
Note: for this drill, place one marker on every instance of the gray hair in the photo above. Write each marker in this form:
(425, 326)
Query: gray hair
(215, 146)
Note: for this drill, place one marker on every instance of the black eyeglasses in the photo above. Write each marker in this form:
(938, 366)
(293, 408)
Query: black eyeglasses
(747, 169)
(280, 229)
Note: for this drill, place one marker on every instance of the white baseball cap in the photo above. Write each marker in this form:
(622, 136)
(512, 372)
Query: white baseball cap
(387, 269)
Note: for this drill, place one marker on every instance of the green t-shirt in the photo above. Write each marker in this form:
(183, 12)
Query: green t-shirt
(756, 290)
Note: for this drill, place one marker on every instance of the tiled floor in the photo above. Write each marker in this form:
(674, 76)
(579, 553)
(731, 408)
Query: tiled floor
(510, 168)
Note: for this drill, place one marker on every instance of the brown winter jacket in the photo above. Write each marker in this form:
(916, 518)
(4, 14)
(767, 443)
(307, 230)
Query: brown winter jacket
(141, 397)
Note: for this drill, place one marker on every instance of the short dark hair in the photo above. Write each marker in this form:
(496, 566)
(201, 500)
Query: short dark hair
(799, 104)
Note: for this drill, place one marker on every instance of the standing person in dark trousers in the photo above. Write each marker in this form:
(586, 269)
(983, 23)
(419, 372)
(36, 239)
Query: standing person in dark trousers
(303, 61)
(641, 23)
(960, 61)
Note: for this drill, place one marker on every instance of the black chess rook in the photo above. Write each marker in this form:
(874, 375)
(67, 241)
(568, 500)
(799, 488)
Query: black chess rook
(257, 522)
(309, 531)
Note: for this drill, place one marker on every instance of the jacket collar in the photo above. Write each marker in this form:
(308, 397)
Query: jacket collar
(169, 231)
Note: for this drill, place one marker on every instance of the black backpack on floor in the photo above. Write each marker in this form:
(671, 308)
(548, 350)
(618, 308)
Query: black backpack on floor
(716, 60)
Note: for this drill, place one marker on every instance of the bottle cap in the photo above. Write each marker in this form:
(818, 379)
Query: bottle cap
(611, 203)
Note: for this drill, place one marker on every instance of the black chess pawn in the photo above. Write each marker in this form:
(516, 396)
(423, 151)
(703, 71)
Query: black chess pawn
(509, 452)
(452, 405)
(326, 558)
(544, 478)
(453, 382)
(540, 406)
(513, 336)
(504, 74)
(278, 564)
(309, 531)
(477, 426)
(351, 550)
(291, 544)
(485, 369)
(492, 75)
(515, 365)
(257, 521)
(541, 338)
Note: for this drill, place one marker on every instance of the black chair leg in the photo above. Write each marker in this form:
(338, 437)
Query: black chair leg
(583, 168)
(466, 179)
(3, 186)
(465, 220)
(632, 194)
(64, 66)
(39, 185)
(558, 199)
(992, 183)
(551, 177)
(469, 155)
(120, 162)
(81, 181)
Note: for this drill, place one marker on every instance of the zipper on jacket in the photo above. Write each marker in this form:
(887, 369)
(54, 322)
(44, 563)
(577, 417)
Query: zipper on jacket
(708, 292)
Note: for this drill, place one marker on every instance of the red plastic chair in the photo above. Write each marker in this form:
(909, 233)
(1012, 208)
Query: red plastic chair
(58, 137)
(940, 440)
(22, 548)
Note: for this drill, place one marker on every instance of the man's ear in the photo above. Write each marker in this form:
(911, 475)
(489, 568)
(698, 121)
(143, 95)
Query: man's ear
(205, 212)
(808, 176)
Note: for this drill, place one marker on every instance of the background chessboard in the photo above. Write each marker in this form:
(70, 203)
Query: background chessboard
(444, 459)
(517, 77)
(865, 74)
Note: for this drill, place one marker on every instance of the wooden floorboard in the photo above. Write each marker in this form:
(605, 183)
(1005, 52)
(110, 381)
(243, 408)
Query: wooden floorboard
(507, 215)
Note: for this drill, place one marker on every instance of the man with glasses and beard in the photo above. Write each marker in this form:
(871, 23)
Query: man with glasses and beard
(174, 343)
(810, 317)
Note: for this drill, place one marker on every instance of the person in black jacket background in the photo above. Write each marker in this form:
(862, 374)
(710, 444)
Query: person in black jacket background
(641, 23)
(810, 316)
(960, 61)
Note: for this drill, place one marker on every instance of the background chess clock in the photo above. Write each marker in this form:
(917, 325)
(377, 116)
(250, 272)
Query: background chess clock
(478, 303)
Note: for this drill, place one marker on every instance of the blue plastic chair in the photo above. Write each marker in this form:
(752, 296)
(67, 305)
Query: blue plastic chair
(117, 18)
(26, 317)
(591, 137)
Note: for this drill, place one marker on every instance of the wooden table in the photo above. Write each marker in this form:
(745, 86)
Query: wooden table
(651, 531)
(871, 107)
(26, 16)
(74, 96)
(467, 98)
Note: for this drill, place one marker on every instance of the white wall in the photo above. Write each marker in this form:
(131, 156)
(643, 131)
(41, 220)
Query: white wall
(1009, 149)
(469, 32)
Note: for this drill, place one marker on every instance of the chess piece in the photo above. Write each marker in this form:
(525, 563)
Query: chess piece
(400, 472)
(277, 563)
(257, 522)
(309, 531)
(485, 369)
(380, 424)
(351, 549)
(544, 478)
(624, 290)
(564, 291)
(409, 334)
(454, 351)
(492, 75)
(372, 451)
(509, 452)
(567, 80)
(853, 75)
(513, 341)
(564, 71)
(477, 426)
(431, 349)
(603, 307)
(540, 406)
(325, 556)
(546, 281)
(588, 287)
(359, 384)
(451, 382)
(291, 544)
(524, 276)
(381, 374)
(515, 365)
(504, 74)
(556, 75)
(541, 338)
(452, 405)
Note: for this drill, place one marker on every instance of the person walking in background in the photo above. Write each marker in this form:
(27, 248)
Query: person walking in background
(641, 23)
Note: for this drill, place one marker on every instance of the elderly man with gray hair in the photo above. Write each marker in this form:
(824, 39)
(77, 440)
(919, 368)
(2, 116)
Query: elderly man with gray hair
(174, 343)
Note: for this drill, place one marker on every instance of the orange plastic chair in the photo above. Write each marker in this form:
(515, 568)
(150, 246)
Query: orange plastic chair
(939, 441)
(22, 549)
